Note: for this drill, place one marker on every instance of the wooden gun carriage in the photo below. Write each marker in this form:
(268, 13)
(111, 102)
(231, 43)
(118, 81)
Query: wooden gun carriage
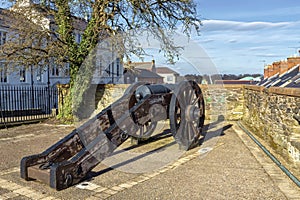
(136, 115)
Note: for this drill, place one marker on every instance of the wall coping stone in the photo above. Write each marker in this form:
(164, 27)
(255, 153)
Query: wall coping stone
(285, 91)
(295, 92)
(255, 88)
(218, 86)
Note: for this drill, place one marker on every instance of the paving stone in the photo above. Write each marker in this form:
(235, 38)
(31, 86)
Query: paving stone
(110, 191)
(102, 195)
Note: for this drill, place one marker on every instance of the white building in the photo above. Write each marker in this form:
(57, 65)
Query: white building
(108, 68)
(168, 74)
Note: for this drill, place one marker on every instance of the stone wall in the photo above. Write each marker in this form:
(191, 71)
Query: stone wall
(219, 100)
(273, 114)
(226, 100)
(107, 94)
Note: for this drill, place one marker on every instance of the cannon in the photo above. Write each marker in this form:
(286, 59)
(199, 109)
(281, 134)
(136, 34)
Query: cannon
(136, 115)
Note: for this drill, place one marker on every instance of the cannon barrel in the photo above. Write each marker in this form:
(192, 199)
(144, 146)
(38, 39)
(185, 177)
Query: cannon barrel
(145, 90)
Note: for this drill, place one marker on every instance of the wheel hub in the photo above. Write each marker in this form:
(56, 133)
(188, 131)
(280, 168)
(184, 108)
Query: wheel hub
(192, 113)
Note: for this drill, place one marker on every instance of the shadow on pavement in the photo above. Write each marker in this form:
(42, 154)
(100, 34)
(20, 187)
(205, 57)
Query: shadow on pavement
(206, 133)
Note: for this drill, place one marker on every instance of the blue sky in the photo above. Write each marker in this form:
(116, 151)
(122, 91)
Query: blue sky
(241, 36)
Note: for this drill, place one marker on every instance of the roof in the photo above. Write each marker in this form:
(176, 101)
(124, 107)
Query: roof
(165, 70)
(267, 82)
(293, 82)
(45, 12)
(286, 79)
(144, 73)
(250, 78)
(141, 65)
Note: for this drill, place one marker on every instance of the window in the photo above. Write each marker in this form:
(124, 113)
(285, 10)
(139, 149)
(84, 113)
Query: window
(55, 71)
(22, 75)
(2, 37)
(109, 69)
(112, 69)
(100, 64)
(169, 78)
(118, 66)
(3, 73)
(67, 72)
(39, 75)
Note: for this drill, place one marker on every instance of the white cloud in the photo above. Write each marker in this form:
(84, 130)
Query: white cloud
(232, 41)
(221, 25)
(239, 47)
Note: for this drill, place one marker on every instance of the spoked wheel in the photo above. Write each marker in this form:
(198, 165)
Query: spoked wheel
(144, 130)
(187, 114)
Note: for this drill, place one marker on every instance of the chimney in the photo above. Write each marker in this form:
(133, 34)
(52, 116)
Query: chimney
(276, 66)
(283, 67)
(266, 72)
(292, 62)
(271, 70)
(153, 69)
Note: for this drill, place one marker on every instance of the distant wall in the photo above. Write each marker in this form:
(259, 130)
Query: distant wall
(273, 114)
(226, 100)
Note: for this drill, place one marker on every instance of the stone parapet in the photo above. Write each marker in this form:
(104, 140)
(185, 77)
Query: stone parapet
(272, 114)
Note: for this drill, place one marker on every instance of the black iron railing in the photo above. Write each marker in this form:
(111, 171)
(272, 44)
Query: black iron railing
(27, 103)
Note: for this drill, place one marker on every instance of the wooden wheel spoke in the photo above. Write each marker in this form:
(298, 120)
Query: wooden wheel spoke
(186, 123)
(191, 96)
(182, 128)
(192, 131)
(195, 101)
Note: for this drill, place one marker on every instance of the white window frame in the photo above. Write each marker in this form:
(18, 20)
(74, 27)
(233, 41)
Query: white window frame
(22, 75)
(3, 73)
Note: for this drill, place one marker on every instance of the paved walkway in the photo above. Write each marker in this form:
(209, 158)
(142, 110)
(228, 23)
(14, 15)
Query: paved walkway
(228, 165)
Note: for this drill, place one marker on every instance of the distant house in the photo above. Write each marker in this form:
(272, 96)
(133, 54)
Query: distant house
(290, 78)
(150, 66)
(250, 78)
(148, 76)
(141, 71)
(285, 73)
(168, 74)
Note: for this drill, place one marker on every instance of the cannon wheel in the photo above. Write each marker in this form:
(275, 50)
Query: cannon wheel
(187, 114)
(145, 130)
